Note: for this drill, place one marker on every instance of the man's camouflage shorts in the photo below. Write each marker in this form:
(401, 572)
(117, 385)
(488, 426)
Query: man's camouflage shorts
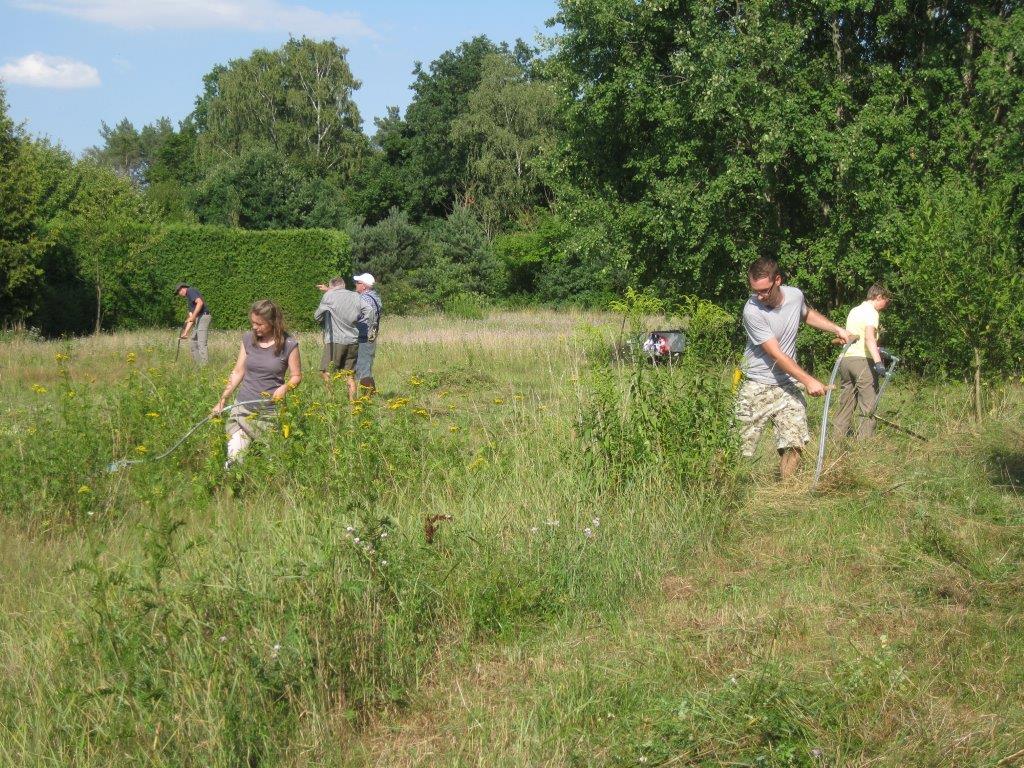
(784, 407)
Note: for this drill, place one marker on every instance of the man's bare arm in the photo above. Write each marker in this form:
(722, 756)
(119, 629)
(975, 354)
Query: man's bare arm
(815, 319)
(814, 387)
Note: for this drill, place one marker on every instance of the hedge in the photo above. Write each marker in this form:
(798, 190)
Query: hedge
(232, 268)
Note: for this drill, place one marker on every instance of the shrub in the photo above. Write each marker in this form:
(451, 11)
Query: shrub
(469, 306)
(676, 419)
(233, 268)
(392, 250)
(462, 259)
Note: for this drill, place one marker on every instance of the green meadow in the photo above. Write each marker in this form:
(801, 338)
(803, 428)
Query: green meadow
(516, 554)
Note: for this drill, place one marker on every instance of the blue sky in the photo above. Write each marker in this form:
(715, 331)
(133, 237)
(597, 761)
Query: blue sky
(68, 64)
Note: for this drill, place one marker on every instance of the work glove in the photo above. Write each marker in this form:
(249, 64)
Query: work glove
(879, 369)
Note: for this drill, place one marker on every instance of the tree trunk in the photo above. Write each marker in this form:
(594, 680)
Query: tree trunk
(977, 384)
(99, 305)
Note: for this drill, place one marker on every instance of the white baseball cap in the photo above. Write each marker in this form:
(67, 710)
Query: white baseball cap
(366, 279)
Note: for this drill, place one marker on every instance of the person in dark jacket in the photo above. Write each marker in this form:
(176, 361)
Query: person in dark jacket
(197, 324)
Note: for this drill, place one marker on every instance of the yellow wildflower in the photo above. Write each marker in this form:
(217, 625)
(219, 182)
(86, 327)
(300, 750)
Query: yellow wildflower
(60, 357)
(286, 429)
(84, 489)
(130, 358)
(478, 462)
(421, 412)
(453, 428)
(737, 375)
(153, 415)
(498, 401)
(141, 449)
(415, 381)
(357, 408)
(39, 389)
(366, 424)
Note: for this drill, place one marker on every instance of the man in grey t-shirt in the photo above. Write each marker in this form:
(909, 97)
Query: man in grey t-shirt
(772, 377)
(338, 312)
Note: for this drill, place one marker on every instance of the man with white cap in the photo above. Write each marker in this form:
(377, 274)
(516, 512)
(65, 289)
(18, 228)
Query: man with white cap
(368, 325)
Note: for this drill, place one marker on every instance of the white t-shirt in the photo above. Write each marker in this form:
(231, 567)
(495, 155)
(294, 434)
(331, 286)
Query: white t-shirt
(860, 317)
(781, 324)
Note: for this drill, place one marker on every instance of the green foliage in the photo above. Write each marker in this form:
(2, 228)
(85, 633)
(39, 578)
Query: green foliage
(233, 268)
(107, 226)
(677, 419)
(508, 126)
(262, 189)
(469, 306)
(711, 332)
(131, 153)
(566, 256)
(297, 99)
(430, 166)
(961, 274)
(713, 138)
(462, 259)
(20, 249)
(394, 250)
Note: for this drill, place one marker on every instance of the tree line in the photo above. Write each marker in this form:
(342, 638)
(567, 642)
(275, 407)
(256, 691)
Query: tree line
(657, 145)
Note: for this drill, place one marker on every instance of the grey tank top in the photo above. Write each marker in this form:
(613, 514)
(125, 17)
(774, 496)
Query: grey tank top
(264, 369)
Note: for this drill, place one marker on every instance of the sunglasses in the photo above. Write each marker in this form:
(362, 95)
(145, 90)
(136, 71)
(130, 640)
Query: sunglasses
(767, 291)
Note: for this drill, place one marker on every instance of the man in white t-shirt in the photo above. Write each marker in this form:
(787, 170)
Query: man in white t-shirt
(861, 370)
(772, 377)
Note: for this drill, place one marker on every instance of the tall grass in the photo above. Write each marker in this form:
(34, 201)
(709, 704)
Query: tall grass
(517, 554)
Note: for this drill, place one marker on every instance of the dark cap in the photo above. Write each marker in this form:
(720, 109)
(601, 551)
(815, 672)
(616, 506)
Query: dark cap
(179, 286)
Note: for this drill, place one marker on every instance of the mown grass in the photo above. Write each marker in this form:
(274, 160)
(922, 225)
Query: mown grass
(605, 592)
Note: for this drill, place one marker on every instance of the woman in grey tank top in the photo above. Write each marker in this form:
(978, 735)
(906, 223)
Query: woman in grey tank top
(267, 354)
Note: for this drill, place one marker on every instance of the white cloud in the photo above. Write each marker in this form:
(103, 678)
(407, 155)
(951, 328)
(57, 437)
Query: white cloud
(41, 70)
(255, 15)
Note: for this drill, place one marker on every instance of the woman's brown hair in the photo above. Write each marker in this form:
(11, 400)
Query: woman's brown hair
(270, 313)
